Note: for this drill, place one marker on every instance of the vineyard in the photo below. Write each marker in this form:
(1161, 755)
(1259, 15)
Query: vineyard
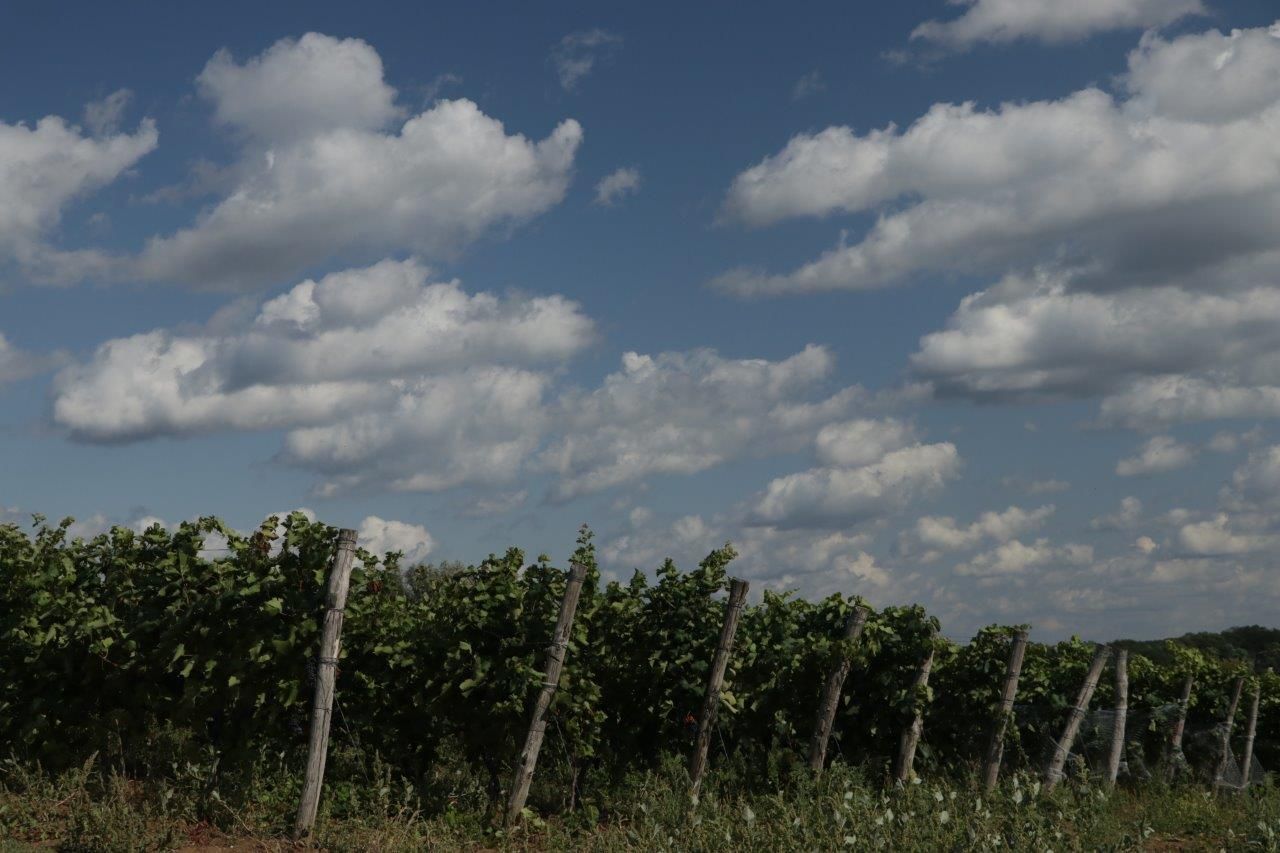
(170, 659)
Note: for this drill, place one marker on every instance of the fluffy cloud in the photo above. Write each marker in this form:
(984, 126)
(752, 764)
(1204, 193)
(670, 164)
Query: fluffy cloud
(1216, 537)
(849, 444)
(322, 176)
(1001, 21)
(1035, 335)
(301, 88)
(475, 427)
(942, 533)
(1157, 455)
(1178, 398)
(1014, 557)
(379, 536)
(577, 54)
(382, 378)
(1134, 189)
(322, 351)
(1211, 77)
(826, 563)
(687, 412)
(1138, 237)
(1159, 356)
(45, 167)
(617, 185)
(838, 497)
(801, 530)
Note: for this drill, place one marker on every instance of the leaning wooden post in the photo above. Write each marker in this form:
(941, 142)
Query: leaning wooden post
(1251, 729)
(1179, 726)
(1122, 714)
(326, 674)
(1058, 760)
(1227, 725)
(711, 704)
(995, 748)
(551, 679)
(911, 737)
(853, 626)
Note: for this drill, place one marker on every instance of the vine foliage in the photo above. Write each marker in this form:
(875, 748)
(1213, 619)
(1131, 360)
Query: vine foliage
(105, 642)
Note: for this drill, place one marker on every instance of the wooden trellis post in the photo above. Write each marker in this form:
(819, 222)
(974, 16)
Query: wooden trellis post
(1122, 714)
(995, 749)
(1058, 760)
(853, 626)
(1251, 730)
(711, 703)
(1227, 725)
(326, 676)
(1179, 726)
(911, 737)
(551, 679)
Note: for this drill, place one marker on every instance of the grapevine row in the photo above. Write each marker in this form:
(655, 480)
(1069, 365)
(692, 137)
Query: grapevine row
(106, 642)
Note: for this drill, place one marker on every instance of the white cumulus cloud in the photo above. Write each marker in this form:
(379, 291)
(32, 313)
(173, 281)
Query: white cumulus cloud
(383, 378)
(380, 536)
(1134, 188)
(1002, 21)
(1036, 335)
(942, 533)
(300, 88)
(1016, 557)
(1157, 455)
(45, 167)
(375, 373)
(1211, 77)
(329, 167)
(838, 497)
(1215, 538)
(680, 413)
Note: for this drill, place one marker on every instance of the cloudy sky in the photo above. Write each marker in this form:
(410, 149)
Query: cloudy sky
(972, 303)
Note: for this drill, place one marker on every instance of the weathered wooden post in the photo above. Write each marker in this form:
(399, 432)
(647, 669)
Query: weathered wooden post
(711, 704)
(1227, 725)
(326, 675)
(1122, 714)
(551, 679)
(1179, 726)
(995, 748)
(853, 626)
(1250, 731)
(1058, 760)
(911, 737)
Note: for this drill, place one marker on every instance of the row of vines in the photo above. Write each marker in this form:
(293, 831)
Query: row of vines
(105, 642)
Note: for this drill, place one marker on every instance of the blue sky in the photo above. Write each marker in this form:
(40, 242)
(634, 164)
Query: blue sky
(971, 303)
